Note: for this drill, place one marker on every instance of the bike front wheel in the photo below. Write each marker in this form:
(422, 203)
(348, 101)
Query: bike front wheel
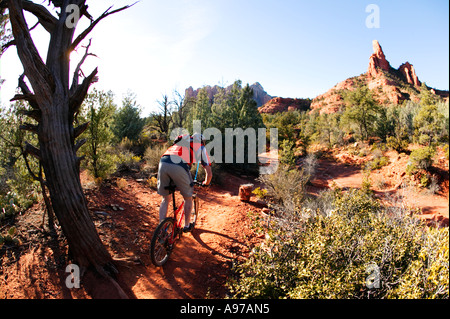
(162, 242)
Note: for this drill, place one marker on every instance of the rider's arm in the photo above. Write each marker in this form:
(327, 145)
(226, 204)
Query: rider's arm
(208, 177)
(206, 163)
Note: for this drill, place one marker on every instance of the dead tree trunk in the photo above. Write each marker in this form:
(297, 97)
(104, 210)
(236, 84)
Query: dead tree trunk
(58, 155)
(53, 103)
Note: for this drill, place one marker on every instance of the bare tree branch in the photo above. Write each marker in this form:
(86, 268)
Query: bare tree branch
(94, 23)
(23, 86)
(29, 127)
(32, 150)
(13, 41)
(76, 99)
(45, 18)
(35, 69)
(7, 45)
(27, 95)
(77, 71)
(79, 144)
(164, 117)
(34, 114)
(80, 129)
(30, 171)
(181, 108)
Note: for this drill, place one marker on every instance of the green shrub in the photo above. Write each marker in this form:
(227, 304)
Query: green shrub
(366, 183)
(98, 109)
(421, 158)
(334, 254)
(10, 238)
(152, 156)
(260, 193)
(8, 208)
(287, 156)
(377, 163)
(427, 276)
(18, 190)
(286, 187)
(430, 124)
(425, 180)
(127, 161)
(397, 144)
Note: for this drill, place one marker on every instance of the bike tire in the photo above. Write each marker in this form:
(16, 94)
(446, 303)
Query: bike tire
(160, 247)
(194, 214)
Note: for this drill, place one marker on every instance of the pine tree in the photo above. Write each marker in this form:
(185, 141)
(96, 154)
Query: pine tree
(249, 117)
(127, 121)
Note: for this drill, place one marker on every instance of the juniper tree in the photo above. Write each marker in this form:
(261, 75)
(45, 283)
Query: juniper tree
(361, 110)
(55, 97)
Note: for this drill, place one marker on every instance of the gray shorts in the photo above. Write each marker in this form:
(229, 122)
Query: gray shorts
(181, 178)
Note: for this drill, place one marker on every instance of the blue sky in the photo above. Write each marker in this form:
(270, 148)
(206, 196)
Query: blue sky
(293, 48)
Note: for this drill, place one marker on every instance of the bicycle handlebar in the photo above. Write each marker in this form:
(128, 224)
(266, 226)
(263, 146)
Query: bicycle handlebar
(200, 184)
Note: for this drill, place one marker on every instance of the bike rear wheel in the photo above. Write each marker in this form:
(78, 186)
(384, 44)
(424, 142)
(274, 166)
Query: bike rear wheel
(162, 242)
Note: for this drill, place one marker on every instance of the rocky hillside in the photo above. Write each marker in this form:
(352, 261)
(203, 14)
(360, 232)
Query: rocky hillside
(389, 85)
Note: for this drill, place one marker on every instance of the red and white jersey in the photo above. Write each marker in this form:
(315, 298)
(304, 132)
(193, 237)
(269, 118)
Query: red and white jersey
(187, 151)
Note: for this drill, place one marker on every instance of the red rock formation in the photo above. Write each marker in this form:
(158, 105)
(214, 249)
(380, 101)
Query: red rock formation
(386, 83)
(410, 74)
(279, 104)
(385, 91)
(377, 60)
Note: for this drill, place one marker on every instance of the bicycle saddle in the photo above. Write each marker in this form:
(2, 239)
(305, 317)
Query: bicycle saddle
(171, 188)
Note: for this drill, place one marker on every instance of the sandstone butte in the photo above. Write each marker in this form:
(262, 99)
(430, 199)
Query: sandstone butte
(389, 86)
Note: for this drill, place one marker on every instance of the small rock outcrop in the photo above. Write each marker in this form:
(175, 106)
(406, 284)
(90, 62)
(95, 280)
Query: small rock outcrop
(410, 74)
(279, 104)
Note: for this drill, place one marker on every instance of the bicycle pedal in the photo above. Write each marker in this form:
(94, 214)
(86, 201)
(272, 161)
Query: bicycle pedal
(189, 228)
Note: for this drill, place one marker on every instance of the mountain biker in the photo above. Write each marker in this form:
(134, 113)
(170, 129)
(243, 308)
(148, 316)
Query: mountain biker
(175, 165)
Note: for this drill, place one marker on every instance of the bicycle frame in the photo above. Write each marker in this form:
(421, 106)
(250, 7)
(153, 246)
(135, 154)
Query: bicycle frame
(178, 219)
(170, 230)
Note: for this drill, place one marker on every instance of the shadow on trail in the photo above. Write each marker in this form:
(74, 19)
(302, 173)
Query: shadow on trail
(197, 236)
(330, 170)
(191, 270)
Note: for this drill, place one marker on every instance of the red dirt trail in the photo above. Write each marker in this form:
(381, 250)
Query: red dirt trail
(201, 263)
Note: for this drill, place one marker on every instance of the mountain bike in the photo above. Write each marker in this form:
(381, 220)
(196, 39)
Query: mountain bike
(171, 229)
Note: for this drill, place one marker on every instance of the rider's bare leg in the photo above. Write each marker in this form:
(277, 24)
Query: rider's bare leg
(187, 210)
(164, 207)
